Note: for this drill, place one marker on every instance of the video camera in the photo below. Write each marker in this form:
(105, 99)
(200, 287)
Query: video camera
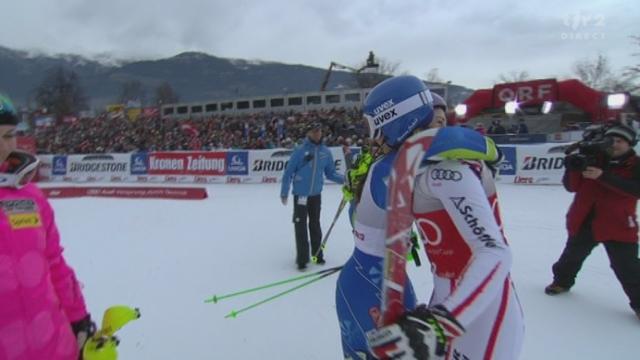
(593, 150)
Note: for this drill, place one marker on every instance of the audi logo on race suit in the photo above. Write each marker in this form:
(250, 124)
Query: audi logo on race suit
(444, 174)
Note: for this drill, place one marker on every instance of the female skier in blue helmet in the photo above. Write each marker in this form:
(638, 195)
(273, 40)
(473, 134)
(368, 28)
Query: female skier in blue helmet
(474, 312)
(358, 290)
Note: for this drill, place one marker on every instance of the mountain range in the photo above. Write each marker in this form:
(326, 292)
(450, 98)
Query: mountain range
(194, 76)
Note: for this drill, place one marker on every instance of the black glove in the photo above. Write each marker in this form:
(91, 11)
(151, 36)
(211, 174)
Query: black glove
(83, 329)
(417, 335)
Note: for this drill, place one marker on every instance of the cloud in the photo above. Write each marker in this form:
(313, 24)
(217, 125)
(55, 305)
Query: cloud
(470, 42)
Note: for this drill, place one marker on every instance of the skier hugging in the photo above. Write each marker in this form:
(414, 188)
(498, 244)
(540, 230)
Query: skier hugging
(450, 195)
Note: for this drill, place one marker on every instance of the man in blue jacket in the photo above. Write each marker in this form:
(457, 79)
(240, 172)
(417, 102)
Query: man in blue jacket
(308, 165)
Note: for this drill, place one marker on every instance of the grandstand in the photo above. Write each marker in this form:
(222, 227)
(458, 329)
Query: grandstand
(296, 102)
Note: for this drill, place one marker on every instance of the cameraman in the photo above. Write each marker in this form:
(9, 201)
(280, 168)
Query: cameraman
(604, 211)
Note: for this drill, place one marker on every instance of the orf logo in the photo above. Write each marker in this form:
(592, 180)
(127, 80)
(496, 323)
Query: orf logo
(139, 164)
(237, 163)
(59, 165)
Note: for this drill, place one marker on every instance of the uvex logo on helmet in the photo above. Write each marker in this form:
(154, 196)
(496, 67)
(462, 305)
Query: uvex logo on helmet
(384, 106)
(379, 120)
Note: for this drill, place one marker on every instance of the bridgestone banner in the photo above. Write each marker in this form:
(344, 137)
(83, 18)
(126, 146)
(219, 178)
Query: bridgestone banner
(524, 164)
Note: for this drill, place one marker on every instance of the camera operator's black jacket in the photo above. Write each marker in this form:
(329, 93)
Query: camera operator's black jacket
(609, 200)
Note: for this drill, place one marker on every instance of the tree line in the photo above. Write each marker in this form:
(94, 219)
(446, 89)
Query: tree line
(61, 93)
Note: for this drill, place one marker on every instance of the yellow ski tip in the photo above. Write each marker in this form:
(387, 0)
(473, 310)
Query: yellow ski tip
(116, 317)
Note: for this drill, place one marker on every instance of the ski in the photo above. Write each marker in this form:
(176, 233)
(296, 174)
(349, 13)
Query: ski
(399, 223)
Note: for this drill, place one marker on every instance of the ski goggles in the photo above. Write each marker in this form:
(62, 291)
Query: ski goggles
(19, 169)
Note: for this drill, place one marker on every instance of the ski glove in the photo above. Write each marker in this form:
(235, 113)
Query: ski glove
(356, 176)
(419, 335)
(83, 329)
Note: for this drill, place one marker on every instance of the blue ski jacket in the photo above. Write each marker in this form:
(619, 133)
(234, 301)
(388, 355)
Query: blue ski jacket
(306, 167)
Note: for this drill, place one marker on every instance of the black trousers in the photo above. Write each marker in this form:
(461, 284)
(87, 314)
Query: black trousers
(303, 214)
(623, 259)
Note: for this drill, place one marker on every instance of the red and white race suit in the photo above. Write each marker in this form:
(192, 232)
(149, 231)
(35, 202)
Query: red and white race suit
(456, 210)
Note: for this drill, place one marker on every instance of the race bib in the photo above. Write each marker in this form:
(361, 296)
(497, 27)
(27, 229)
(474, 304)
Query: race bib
(22, 214)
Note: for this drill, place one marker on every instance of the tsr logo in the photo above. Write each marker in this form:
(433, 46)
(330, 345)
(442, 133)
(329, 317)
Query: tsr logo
(580, 20)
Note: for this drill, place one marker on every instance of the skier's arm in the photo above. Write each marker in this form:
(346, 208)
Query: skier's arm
(330, 170)
(462, 194)
(62, 276)
(289, 172)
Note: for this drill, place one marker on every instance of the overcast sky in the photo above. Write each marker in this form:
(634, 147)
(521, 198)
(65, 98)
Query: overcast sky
(470, 42)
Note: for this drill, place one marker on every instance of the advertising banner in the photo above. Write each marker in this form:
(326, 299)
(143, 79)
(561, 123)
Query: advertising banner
(526, 92)
(186, 163)
(540, 164)
(267, 166)
(93, 167)
(510, 162)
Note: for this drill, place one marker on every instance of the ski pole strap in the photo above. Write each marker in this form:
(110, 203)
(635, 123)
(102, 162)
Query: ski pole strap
(215, 298)
(235, 313)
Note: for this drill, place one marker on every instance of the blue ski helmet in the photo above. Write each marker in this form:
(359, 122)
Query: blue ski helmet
(396, 107)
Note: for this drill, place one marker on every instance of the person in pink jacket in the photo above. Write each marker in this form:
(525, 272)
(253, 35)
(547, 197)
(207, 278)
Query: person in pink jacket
(42, 310)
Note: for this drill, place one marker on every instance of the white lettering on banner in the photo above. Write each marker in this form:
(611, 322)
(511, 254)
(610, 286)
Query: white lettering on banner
(165, 164)
(202, 163)
(269, 165)
(542, 163)
(525, 93)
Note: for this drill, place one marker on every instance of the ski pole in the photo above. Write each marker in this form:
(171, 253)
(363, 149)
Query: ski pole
(314, 258)
(235, 313)
(215, 298)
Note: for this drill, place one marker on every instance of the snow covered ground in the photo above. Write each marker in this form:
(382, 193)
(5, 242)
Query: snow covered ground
(167, 256)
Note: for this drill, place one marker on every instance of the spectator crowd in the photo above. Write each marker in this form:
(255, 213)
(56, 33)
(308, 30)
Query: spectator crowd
(113, 134)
